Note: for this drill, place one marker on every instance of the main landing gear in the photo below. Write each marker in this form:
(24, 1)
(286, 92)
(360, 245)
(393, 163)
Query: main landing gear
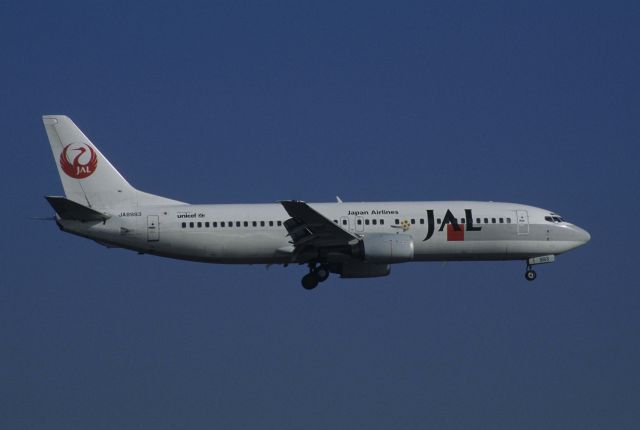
(316, 275)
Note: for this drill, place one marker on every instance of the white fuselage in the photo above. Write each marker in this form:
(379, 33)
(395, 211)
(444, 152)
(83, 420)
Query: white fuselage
(255, 234)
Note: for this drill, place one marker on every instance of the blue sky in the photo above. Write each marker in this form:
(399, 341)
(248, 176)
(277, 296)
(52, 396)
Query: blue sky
(216, 102)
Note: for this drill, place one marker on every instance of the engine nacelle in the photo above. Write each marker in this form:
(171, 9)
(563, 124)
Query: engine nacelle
(386, 248)
(358, 269)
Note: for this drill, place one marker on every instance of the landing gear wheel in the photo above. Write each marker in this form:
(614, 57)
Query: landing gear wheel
(530, 275)
(310, 281)
(322, 273)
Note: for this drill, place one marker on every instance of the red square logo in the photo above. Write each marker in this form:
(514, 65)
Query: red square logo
(453, 234)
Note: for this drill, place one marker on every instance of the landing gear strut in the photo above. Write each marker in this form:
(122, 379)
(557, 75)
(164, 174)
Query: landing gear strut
(316, 275)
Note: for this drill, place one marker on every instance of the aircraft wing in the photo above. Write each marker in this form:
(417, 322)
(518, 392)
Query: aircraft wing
(68, 209)
(309, 230)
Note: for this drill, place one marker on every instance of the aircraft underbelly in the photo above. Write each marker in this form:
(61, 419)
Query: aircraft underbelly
(250, 247)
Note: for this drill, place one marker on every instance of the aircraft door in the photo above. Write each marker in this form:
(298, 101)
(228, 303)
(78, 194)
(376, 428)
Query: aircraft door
(522, 218)
(359, 224)
(153, 228)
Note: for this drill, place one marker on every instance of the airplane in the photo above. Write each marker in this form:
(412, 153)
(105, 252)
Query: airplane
(352, 240)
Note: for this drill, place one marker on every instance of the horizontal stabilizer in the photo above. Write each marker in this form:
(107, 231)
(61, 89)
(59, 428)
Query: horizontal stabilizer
(68, 209)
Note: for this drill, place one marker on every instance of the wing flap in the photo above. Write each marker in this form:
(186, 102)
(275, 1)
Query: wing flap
(309, 228)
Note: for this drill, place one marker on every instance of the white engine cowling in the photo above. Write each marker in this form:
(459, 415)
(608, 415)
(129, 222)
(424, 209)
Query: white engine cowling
(386, 248)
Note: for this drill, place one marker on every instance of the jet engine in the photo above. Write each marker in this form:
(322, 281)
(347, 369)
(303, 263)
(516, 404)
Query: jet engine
(385, 248)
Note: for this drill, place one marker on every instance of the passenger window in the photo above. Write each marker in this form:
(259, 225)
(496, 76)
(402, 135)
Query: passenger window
(421, 220)
(366, 221)
(381, 222)
(508, 220)
(254, 223)
(191, 225)
(359, 221)
(461, 220)
(199, 225)
(206, 224)
(477, 220)
(279, 223)
(221, 223)
(397, 221)
(413, 220)
(486, 220)
(493, 220)
(215, 224)
(374, 221)
(344, 222)
(230, 223)
(237, 223)
(438, 220)
(270, 223)
(184, 225)
(261, 223)
(501, 220)
(335, 221)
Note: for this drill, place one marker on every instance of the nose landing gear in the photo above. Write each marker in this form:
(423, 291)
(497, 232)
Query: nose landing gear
(316, 275)
(530, 274)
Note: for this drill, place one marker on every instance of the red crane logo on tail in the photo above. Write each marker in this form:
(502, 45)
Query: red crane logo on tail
(82, 165)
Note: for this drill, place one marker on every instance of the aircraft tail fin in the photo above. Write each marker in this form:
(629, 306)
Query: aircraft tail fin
(88, 178)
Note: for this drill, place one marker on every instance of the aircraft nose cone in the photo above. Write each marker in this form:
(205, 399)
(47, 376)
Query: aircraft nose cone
(583, 235)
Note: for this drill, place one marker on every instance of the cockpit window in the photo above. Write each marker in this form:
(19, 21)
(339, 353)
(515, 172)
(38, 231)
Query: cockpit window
(554, 218)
